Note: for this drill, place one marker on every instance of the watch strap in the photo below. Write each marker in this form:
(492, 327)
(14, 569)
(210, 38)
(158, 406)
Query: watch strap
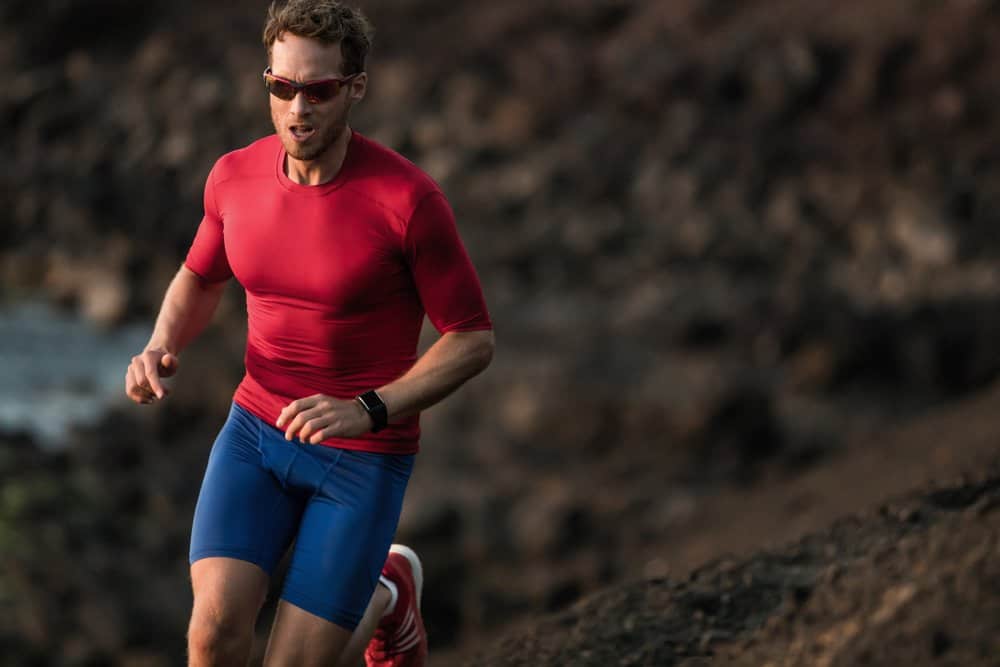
(376, 409)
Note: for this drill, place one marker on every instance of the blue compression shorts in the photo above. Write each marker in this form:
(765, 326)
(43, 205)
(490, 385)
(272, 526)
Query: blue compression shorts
(340, 506)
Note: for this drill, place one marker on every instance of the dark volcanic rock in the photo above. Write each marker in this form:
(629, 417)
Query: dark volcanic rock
(913, 583)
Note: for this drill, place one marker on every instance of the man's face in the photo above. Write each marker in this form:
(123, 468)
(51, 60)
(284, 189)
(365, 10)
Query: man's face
(308, 130)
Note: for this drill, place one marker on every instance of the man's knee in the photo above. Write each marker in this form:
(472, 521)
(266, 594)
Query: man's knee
(228, 594)
(219, 639)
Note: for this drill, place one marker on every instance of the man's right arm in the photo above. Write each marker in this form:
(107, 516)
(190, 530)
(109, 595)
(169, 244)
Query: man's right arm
(187, 308)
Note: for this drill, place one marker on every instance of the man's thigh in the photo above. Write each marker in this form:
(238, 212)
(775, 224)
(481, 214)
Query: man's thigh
(344, 535)
(227, 592)
(244, 511)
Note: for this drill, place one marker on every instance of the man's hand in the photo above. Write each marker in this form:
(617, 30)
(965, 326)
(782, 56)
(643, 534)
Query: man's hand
(316, 418)
(142, 379)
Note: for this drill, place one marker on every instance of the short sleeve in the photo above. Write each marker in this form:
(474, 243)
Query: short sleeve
(207, 255)
(445, 278)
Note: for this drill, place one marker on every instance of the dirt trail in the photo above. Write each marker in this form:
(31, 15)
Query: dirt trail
(871, 587)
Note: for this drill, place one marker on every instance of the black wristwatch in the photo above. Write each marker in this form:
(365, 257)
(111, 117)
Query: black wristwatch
(373, 405)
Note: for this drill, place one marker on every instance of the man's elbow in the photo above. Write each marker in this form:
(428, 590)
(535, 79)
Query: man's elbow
(485, 346)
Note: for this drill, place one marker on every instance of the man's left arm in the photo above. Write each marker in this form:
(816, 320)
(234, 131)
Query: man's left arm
(446, 365)
(450, 292)
(452, 360)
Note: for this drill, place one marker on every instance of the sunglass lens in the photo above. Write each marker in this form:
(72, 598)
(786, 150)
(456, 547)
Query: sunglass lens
(321, 91)
(280, 89)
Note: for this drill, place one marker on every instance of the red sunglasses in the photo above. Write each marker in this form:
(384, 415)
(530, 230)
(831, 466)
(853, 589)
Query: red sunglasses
(315, 91)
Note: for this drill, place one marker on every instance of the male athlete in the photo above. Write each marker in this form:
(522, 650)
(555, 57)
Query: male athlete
(342, 246)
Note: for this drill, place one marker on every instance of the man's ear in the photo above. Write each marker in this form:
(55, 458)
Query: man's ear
(358, 87)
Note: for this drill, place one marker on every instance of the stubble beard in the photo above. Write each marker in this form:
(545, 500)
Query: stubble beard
(319, 144)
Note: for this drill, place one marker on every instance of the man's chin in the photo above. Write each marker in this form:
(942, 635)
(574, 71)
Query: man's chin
(303, 153)
(309, 150)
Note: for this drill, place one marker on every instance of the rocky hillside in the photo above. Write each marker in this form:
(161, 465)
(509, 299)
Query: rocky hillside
(723, 243)
(913, 583)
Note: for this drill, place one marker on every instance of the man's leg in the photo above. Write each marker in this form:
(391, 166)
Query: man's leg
(341, 546)
(243, 523)
(228, 594)
(354, 652)
(400, 639)
(375, 617)
(302, 639)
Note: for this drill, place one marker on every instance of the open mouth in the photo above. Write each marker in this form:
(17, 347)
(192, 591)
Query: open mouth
(301, 132)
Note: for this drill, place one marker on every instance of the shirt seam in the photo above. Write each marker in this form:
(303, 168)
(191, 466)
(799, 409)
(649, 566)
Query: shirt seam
(406, 228)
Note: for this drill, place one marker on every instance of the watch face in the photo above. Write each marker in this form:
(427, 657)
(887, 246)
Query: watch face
(374, 406)
(370, 400)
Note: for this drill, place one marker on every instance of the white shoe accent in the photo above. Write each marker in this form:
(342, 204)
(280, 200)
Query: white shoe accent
(415, 567)
(408, 623)
(408, 634)
(393, 595)
(407, 644)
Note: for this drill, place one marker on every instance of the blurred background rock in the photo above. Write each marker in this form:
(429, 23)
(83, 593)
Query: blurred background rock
(721, 241)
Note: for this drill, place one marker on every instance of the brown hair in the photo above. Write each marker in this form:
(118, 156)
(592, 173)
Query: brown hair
(328, 21)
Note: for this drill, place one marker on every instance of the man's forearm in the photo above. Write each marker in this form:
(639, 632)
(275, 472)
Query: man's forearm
(443, 368)
(187, 308)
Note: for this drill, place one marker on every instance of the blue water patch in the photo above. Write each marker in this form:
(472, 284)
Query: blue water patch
(57, 370)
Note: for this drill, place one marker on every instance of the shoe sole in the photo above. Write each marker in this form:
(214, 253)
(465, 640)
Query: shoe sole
(418, 571)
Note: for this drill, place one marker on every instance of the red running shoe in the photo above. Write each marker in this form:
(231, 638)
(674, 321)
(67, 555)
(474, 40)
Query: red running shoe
(400, 639)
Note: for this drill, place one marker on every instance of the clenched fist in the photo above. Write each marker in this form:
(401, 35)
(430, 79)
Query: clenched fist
(142, 379)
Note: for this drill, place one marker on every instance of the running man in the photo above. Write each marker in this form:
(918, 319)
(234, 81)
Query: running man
(342, 246)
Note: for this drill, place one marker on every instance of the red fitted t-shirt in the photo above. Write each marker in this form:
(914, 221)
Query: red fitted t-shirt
(337, 276)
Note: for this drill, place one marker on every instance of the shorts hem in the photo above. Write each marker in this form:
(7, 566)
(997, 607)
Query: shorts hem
(237, 554)
(346, 620)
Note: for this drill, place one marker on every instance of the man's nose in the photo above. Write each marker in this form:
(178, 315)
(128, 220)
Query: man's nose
(300, 105)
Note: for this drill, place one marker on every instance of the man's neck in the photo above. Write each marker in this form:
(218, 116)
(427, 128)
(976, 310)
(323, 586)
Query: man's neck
(324, 168)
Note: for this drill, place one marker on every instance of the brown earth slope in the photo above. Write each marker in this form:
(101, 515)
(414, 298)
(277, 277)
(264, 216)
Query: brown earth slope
(915, 581)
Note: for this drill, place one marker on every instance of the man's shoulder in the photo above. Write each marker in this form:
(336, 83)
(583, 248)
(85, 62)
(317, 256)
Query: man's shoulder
(256, 158)
(390, 178)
